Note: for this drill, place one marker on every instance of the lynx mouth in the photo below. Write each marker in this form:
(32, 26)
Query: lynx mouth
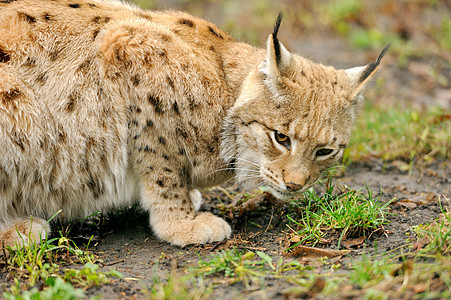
(283, 195)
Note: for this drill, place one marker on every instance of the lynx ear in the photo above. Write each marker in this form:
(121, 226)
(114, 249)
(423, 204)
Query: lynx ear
(277, 56)
(360, 76)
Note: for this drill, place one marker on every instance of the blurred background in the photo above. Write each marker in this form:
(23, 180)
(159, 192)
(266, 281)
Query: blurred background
(411, 91)
(347, 33)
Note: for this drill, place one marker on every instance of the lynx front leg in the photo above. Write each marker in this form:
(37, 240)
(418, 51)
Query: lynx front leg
(21, 231)
(173, 217)
(158, 124)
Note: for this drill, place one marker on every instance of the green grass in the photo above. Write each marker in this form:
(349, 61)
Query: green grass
(89, 276)
(339, 14)
(392, 275)
(56, 288)
(386, 276)
(63, 287)
(437, 235)
(176, 287)
(442, 33)
(245, 267)
(399, 133)
(234, 265)
(34, 263)
(223, 262)
(367, 271)
(350, 213)
(358, 21)
(378, 276)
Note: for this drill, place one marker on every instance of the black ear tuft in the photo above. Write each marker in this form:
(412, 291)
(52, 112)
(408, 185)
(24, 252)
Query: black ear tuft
(275, 39)
(383, 53)
(277, 25)
(370, 68)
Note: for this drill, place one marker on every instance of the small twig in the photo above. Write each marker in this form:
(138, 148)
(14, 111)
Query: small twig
(114, 262)
(253, 248)
(253, 235)
(270, 219)
(4, 251)
(108, 233)
(215, 246)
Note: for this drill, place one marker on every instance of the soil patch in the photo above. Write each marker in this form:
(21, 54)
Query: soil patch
(133, 250)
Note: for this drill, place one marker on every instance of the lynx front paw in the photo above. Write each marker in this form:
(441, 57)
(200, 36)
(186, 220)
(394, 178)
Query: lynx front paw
(22, 231)
(204, 228)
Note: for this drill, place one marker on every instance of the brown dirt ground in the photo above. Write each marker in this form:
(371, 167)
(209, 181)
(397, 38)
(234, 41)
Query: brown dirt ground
(135, 252)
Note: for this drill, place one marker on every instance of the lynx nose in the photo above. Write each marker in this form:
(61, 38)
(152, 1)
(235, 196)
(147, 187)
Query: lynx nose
(292, 187)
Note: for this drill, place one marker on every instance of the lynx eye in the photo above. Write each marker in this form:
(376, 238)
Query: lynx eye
(282, 139)
(324, 152)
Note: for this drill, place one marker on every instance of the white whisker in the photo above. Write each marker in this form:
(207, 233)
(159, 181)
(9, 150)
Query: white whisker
(247, 178)
(244, 170)
(243, 160)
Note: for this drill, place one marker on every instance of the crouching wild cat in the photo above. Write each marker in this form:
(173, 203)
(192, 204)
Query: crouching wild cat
(103, 104)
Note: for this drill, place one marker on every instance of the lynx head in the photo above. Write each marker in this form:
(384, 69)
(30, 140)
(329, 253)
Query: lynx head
(292, 120)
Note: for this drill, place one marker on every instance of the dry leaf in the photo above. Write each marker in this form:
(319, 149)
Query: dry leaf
(313, 252)
(406, 203)
(300, 293)
(413, 201)
(405, 268)
(324, 241)
(294, 238)
(254, 202)
(431, 197)
(318, 285)
(421, 243)
(354, 242)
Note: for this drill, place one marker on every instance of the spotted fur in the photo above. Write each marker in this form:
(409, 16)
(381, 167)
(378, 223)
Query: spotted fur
(103, 104)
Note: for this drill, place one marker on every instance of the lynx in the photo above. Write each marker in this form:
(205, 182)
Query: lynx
(103, 104)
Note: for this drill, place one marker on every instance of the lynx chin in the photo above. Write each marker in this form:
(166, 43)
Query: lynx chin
(103, 104)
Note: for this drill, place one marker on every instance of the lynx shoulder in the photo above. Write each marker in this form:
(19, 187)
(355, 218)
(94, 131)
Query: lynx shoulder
(104, 104)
